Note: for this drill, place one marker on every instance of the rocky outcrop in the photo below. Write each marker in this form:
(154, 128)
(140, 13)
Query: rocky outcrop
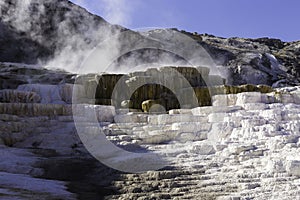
(274, 62)
(163, 87)
(13, 75)
(58, 29)
(35, 30)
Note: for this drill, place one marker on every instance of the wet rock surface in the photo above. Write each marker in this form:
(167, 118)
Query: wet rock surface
(243, 146)
(168, 87)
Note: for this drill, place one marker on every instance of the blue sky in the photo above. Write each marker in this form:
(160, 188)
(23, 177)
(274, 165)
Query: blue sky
(226, 18)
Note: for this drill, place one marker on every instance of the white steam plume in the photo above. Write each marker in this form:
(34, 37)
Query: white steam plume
(77, 32)
(73, 31)
(114, 11)
(117, 12)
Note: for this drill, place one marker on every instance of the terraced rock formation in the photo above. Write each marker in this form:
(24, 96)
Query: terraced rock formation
(169, 87)
(243, 146)
(229, 130)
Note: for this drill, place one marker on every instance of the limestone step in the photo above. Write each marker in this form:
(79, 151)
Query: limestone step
(169, 119)
(204, 111)
(130, 126)
(131, 118)
(192, 127)
(180, 111)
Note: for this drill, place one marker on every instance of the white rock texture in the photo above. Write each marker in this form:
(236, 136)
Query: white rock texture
(249, 149)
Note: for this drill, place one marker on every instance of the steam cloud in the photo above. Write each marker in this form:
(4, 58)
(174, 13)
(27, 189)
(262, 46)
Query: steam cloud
(60, 26)
(117, 11)
(114, 11)
(77, 34)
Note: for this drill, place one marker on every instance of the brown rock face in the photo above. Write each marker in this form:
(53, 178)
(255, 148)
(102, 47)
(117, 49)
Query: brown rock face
(156, 84)
(167, 87)
(14, 96)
